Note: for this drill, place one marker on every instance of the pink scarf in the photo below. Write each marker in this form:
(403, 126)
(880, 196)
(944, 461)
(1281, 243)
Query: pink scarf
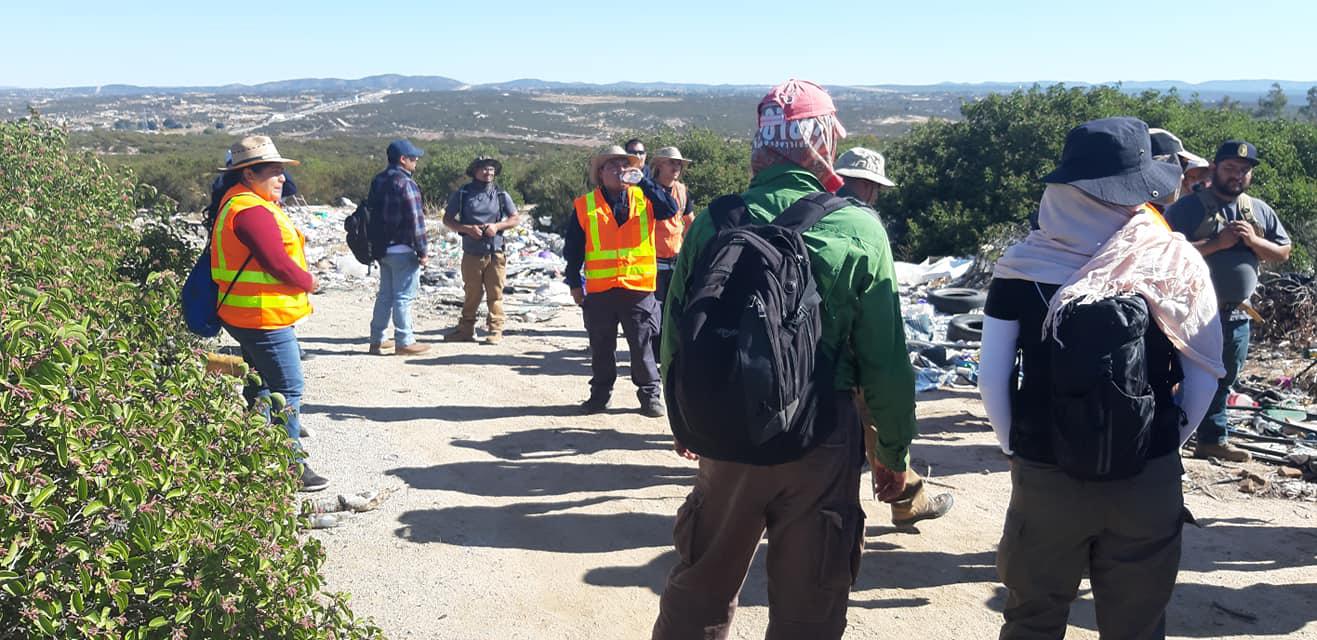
(1144, 258)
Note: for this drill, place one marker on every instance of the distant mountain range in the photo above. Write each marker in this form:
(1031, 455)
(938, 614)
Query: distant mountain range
(393, 82)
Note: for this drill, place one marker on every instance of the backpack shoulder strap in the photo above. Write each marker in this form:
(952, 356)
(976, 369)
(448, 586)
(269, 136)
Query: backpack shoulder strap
(803, 213)
(502, 198)
(1211, 216)
(727, 211)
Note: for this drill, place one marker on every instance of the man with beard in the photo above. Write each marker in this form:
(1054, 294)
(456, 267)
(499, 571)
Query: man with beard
(1233, 231)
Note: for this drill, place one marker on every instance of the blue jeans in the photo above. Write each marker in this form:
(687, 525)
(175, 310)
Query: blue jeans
(400, 273)
(1235, 351)
(274, 354)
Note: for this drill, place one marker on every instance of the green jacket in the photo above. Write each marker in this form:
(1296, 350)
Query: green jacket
(862, 325)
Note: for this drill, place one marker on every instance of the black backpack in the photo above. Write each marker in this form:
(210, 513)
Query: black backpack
(749, 383)
(1110, 402)
(357, 224)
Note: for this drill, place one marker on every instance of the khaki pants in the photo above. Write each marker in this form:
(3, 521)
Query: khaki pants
(483, 275)
(811, 510)
(1125, 532)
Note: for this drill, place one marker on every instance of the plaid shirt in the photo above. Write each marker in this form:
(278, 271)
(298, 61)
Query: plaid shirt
(396, 202)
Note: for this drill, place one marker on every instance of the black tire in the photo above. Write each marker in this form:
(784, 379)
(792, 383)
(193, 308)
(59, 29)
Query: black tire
(966, 327)
(956, 299)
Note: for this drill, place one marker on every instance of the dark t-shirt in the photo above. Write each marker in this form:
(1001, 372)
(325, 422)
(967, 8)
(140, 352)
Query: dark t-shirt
(481, 203)
(1026, 302)
(1234, 270)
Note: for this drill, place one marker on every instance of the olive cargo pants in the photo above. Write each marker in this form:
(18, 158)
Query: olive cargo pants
(811, 510)
(1125, 532)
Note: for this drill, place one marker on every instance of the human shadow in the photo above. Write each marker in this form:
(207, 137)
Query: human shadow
(888, 566)
(498, 478)
(535, 363)
(1214, 611)
(653, 575)
(364, 341)
(540, 332)
(371, 414)
(561, 442)
(952, 459)
(541, 526)
(1246, 544)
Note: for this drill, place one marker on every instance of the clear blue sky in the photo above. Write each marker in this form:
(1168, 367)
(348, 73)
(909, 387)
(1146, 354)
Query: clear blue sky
(55, 43)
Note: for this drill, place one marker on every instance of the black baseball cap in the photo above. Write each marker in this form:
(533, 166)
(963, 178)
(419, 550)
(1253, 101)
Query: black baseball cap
(1237, 149)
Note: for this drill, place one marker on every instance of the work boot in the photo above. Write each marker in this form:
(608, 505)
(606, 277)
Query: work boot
(596, 404)
(919, 506)
(377, 348)
(1224, 451)
(494, 337)
(312, 481)
(652, 408)
(412, 349)
(461, 334)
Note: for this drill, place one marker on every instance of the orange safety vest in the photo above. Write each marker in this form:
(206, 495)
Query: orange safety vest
(669, 233)
(617, 257)
(258, 300)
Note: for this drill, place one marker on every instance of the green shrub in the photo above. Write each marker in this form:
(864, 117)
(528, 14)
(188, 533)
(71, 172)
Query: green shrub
(139, 498)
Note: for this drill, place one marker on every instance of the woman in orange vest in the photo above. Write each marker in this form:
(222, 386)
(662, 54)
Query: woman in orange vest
(258, 261)
(666, 166)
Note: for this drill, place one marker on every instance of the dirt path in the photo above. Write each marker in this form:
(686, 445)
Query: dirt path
(515, 518)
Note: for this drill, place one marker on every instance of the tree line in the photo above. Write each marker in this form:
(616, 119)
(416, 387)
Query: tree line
(960, 181)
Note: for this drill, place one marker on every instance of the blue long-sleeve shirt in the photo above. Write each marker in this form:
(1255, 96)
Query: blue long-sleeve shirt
(665, 206)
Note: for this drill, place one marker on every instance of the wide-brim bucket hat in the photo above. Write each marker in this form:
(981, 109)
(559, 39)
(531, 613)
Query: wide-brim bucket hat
(1111, 160)
(865, 164)
(669, 153)
(481, 161)
(608, 153)
(254, 150)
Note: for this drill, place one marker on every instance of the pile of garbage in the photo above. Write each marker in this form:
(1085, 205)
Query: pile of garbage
(942, 333)
(535, 291)
(1287, 303)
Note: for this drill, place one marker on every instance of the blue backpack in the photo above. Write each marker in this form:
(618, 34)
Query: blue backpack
(200, 310)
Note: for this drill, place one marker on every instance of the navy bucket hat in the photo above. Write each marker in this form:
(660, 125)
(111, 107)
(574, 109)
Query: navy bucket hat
(1111, 160)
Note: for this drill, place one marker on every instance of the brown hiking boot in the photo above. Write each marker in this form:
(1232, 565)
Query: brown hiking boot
(460, 334)
(377, 348)
(494, 337)
(921, 507)
(1222, 451)
(412, 349)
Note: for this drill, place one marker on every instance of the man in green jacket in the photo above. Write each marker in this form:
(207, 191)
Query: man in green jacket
(810, 507)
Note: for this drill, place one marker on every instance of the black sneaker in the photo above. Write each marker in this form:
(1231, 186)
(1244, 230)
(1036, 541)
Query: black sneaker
(652, 408)
(594, 405)
(312, 481)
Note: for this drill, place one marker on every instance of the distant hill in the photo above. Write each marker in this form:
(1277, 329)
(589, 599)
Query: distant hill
(1214, 89)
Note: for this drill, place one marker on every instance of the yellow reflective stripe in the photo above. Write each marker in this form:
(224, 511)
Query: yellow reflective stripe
(266, 301)
(600, 273)
(248, 275)
(218, 234)
(641, 211)
(594, 221)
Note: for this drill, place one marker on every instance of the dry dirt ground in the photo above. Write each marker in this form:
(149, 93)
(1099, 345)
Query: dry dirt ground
(516, 518)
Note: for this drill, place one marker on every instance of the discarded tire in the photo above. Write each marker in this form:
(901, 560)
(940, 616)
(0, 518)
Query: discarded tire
(967, 327)
(956, 299)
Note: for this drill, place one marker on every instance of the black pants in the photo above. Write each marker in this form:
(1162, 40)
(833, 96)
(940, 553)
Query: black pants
(638, 313)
